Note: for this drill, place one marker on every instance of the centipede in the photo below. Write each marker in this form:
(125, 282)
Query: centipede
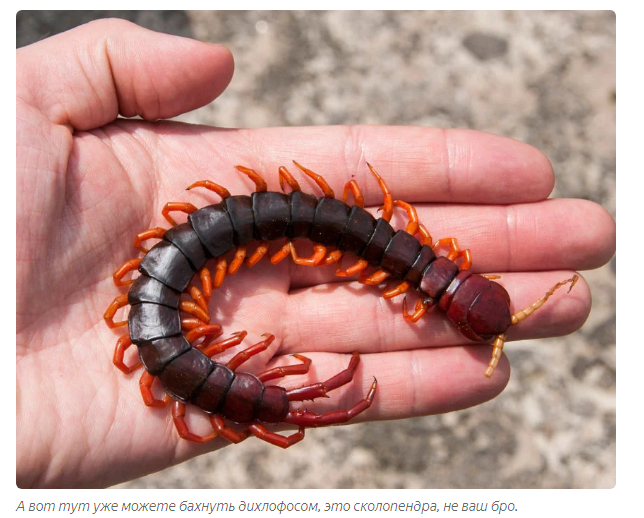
(176, 339)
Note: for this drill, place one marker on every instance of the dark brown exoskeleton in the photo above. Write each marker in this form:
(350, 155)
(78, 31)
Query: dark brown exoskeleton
(167, 342)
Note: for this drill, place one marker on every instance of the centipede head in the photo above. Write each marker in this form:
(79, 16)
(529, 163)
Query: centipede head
(489, 314)
(480, 308)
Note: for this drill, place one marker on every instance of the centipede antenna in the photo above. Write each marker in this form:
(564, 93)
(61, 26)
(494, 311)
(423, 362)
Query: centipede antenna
(496, 354)
(519, 316)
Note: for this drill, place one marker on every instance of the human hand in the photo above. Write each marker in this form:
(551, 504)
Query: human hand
(88, 182)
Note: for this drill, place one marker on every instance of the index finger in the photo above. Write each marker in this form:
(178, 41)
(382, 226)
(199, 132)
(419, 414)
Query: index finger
(419, 164)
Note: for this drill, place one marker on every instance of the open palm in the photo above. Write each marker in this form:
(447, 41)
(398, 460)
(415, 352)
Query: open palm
(88, 183)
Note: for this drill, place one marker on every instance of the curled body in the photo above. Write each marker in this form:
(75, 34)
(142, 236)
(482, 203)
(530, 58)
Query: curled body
(477, 305)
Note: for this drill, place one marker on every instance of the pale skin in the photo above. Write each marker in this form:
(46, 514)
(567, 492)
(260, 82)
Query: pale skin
(88, 182)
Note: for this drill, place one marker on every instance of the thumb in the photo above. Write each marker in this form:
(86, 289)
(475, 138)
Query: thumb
(87, 76)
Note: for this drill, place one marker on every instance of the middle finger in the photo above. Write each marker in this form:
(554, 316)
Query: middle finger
(345, 317)
(565, 234)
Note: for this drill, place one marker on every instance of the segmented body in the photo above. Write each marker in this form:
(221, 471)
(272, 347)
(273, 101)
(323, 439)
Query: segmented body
(479, 307)
(155, 323)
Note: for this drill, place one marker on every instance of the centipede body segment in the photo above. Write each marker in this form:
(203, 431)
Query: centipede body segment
(165, 338)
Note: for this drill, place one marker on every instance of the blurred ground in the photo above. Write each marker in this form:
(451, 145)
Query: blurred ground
(547, 78)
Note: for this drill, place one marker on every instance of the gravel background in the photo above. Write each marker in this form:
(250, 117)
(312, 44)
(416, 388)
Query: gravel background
(547, 78)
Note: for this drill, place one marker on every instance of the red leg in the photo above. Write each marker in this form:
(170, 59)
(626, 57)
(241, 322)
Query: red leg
(220, 272)
(117, 303)
(311, 419)
(219, 424)
(178, 416)
(128, 266)
(177, 206)
(320, 389)
(328, 192)
(455, 252)
(212, 331)
(206, 283)
(122, 345)
(145, 385)
(467, 259)
(412, 225)
(287, 177)
(388, 206)
(254, 176)
(319, 252)
(235, 264)
(197, 295)
(419, 310)
(425, 235)
(360, 265)
(401, 288)
(211, 186)
(188, 324)
(202, 298)
(221, 346)
(281, 254)
(262, 433)
(289, 370)
(373, 279)
(353, 188)
(331, 257)
(192, 309)
(151, 233)
(247, 354)
(260, 251)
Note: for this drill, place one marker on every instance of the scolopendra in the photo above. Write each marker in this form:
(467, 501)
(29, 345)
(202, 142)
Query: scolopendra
(477, 305)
